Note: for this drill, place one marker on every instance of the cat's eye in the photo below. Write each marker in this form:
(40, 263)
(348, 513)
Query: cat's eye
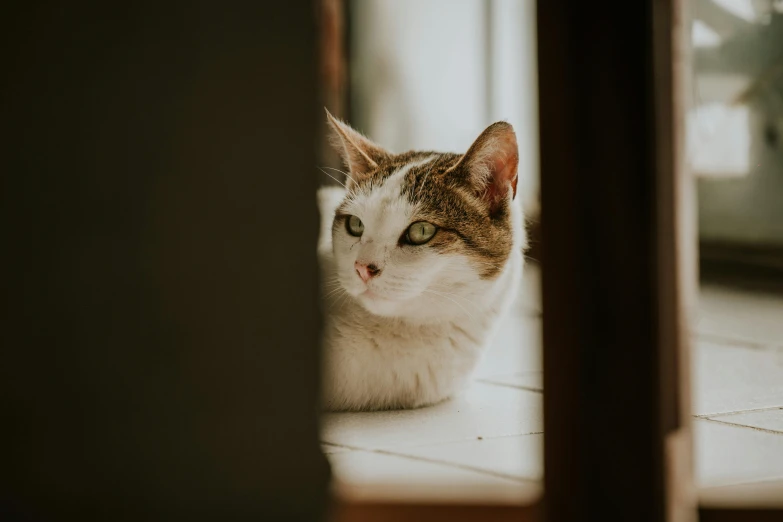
(420, 232)
(354, 226)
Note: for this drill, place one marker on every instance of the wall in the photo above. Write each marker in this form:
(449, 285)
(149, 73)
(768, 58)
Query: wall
(432, 74)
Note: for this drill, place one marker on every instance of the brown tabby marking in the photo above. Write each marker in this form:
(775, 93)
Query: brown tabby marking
(445, 197)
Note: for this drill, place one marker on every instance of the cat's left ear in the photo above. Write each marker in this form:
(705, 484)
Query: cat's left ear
(360, 155)
(490, 165)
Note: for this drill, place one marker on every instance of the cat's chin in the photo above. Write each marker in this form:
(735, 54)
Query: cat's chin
(378, 305)
(403, 309)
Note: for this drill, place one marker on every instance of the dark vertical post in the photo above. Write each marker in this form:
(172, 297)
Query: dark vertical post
(160, 324)
(611, 294)
(333, 82)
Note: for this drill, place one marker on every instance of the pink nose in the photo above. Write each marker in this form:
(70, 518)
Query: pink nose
(366, 271)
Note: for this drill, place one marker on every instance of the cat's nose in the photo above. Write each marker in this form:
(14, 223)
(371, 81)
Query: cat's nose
(366, 271)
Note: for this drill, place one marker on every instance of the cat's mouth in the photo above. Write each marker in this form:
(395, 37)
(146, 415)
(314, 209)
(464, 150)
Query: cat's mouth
(378, 303)
(374, 296)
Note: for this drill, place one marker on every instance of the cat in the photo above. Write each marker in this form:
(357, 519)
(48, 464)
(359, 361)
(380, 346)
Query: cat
(421, 254)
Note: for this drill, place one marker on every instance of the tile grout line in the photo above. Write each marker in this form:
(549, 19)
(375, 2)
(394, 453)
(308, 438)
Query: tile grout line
(513, 374)
(506, 385)
(745, 483)
(756, 428)
(465, 467)
(441, 443)
(737, 412)
(389, 452)
(738, 342)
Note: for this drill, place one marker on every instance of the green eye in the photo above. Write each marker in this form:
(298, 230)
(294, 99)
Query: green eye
(420, 232)
(354, 226)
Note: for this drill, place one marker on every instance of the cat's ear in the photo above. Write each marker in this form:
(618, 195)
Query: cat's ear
(360, 155)
(490, 165)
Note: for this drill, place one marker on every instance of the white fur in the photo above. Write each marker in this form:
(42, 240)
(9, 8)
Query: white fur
(420, 334)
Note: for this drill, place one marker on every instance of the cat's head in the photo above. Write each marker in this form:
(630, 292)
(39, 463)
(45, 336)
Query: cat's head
(426, 234)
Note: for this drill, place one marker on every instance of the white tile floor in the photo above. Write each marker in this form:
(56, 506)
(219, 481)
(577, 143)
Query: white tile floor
(487, 444)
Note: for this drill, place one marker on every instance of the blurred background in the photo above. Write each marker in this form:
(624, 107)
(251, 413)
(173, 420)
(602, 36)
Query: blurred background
(432, 75)
(735, 127)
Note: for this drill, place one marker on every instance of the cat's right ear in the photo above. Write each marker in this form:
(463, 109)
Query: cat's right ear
(360, 155)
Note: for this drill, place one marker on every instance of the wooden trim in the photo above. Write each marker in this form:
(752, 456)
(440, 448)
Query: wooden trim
(395, 512)
(676, 241)
(740, 515)
(765, 495)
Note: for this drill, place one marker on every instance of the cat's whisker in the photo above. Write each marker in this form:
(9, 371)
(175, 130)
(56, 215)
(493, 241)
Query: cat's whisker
(450, 299)
(468, 301)
(346, 297)
(470, 315)
(337, 296)
(337, 180)
(341, 172)
(333, 292)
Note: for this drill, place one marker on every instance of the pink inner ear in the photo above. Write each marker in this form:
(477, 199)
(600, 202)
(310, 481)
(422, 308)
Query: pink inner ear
(503, 169)
(492, 163)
